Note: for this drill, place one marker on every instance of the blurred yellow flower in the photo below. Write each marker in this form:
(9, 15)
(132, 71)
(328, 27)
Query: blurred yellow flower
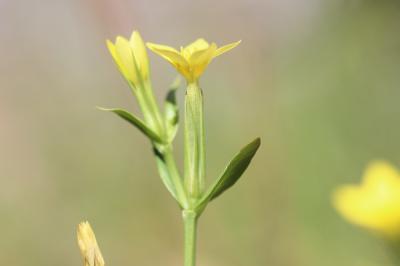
(193, 59)
(88, 245)
(131, 58)
(375, 204)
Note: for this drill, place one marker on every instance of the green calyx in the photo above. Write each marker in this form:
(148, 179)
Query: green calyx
(194, 143)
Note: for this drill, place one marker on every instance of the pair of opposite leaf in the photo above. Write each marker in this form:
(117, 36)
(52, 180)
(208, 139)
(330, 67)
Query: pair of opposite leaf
(131, 59)
(87, 243)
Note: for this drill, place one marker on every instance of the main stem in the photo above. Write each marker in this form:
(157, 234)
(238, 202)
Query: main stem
(190, 226)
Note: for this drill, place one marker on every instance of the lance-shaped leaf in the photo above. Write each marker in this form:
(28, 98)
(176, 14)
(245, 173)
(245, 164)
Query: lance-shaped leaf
(232, 172)
(138, 123)
(164, 173)
(171, 110)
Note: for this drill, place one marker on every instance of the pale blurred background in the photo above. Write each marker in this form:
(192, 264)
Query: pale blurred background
(317, 80)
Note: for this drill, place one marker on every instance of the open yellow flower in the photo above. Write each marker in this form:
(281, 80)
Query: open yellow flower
(131, 58)
(88, 245)
(375, 204)
(193, 59)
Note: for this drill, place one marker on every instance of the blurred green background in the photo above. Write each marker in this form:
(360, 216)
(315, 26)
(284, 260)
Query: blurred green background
(317, 80)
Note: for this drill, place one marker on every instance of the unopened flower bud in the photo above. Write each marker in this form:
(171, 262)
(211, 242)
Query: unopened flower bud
(88, 245)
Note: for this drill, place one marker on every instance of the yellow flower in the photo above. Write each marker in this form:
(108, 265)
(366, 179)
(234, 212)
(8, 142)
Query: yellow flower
(193, 59)
(375, 204)
(88, 245)
(131, 58)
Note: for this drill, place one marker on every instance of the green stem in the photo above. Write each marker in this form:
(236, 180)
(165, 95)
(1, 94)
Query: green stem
(147, 114)
(153, 107)
(174, 173)
(190, 226)
(143, 92)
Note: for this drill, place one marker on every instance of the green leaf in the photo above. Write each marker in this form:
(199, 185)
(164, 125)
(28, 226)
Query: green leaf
(172, 110)
(164, 173)
(138, 123)
(232, 172)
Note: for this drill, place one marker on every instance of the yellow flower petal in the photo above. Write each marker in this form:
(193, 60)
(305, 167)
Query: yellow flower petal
(193, 59)
(113, 52)
(226, 48)
(125, 55)
(172, 56)
(140, 54)
(200, 60)
(348, 201)
(381, 174)
(375, 204)
(168, 53)
(198, 45)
